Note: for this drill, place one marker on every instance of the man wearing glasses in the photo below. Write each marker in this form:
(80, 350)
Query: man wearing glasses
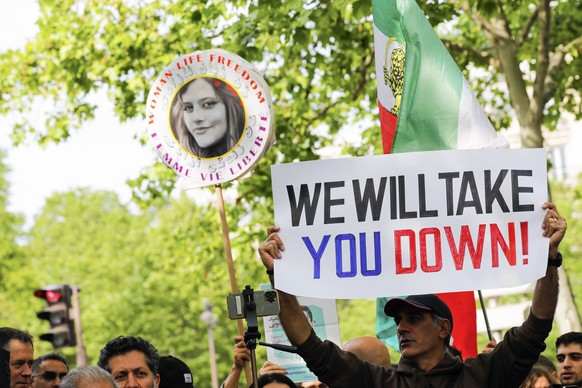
(48, 371)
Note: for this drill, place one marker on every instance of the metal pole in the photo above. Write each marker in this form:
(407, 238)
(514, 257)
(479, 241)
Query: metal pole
(208, 318)
(485, 315)
(81, 353)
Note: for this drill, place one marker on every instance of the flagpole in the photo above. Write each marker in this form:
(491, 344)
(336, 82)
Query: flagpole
(485, 315)
(230, 263)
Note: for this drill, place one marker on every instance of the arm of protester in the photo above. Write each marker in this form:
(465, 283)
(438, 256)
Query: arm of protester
(241, 356)
(291, 316)
(270, 367)
(545, 297)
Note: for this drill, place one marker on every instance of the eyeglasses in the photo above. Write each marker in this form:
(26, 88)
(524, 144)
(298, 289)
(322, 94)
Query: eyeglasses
(50, 375)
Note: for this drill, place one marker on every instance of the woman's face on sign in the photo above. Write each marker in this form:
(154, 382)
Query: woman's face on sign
(204, 113)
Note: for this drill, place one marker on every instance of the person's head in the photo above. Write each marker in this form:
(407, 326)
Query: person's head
(174, 373)
(549, 365)
(19, 344)
(369, 349)
(88, 377)
(207, 117)
(311, 384)
(425, 324)
(539, 377)
(49, 370)
(569, 358)
(274, 380)
(132, 361)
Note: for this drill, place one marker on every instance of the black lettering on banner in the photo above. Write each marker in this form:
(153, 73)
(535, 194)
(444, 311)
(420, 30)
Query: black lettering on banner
(402, 200)
(493, 194)
(468, 181)
(370, 199)
(422, 199)
(516, 189)
(303, 203)
(448, 177)
(329, 202)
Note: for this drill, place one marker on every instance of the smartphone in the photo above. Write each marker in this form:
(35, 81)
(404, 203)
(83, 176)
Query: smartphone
(266, 302)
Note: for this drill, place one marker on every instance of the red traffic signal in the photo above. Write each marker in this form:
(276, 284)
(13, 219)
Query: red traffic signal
(50, 296)
(58, 313)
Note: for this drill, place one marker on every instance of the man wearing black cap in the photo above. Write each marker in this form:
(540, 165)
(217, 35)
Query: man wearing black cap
(424, 329)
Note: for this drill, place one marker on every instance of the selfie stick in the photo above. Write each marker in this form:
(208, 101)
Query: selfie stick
(229, 261)
(252, 334)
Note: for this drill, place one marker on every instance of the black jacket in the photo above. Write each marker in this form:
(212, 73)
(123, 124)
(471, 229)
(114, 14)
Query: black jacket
(505, 367)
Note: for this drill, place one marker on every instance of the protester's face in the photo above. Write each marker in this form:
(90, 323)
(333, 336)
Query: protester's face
(21, 358)
(417, 334)
(204, 113)
(49, 374)
(130, 370)
(541, 382)
(569, 363)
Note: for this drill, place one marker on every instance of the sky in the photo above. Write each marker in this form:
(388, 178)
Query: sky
(102, 155)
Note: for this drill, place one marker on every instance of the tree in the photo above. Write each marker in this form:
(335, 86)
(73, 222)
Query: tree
(317, 56)
(11, 256)
(530, 49)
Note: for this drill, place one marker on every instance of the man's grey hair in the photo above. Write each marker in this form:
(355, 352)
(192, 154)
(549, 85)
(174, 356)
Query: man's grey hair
(90, 374)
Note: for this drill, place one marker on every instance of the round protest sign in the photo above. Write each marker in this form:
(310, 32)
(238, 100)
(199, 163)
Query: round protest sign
(210, 117)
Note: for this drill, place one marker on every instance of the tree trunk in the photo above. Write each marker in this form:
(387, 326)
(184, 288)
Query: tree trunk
(567, 316)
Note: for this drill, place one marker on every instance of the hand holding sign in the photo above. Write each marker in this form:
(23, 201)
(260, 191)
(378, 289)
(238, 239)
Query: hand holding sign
(272, 247)
(554, 227)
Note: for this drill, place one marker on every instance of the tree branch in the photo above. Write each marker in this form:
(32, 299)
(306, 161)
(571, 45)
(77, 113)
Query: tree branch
(555, 63)
(497, 27)
(481, 56)
(362, 71)
(503, 21)
(542, 62)
(527, 28)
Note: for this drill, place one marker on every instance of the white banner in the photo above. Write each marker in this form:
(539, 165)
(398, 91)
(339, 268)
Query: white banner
(411, 223)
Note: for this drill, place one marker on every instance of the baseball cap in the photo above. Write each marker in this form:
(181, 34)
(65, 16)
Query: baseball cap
(174, 373)
(427, 302)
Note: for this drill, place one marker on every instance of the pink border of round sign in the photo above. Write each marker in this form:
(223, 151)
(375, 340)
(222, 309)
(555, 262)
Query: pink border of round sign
(256, 139)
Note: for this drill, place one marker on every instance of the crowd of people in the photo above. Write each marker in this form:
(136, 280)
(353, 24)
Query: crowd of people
(424, 326)
(124, 362)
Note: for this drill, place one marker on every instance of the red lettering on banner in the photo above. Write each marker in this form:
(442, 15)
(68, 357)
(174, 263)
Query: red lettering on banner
(466, 242)
(459, 247)
(524, 241)
(437, 250)
(498, 240)
(398, 235)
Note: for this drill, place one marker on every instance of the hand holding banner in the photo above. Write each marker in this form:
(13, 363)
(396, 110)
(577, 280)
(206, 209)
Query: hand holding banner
(411, 223)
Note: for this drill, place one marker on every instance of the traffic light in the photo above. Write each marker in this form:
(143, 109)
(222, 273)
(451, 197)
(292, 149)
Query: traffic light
(58, 313)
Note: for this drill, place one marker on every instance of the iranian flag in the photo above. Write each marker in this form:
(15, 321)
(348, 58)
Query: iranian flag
(425, 104)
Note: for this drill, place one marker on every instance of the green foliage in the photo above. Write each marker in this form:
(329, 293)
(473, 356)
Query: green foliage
(11, 255)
